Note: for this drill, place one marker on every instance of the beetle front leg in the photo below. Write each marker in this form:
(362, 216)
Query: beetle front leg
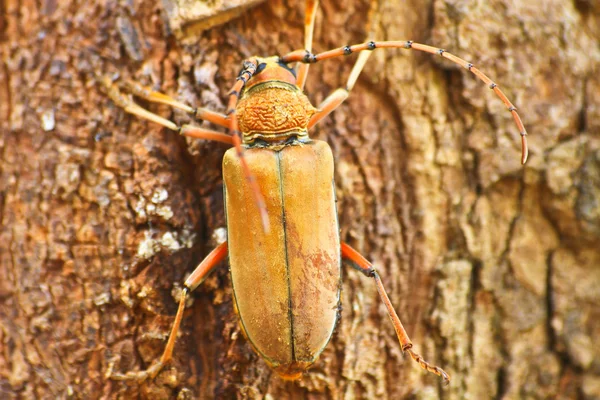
(358, 262)
(144, 92)
(190, 284)
(309, 26)
(337, 97)
(125, 101)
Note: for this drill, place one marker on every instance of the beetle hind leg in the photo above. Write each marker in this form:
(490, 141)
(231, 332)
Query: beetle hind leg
(155, 368)
(191, 283)
(358, 262)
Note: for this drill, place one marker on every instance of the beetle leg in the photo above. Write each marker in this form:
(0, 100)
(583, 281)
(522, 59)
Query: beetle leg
(358, 262)
(147, 93)
(304, 57)
(207, 134)
(335, 99)
(309, 27)
(126, 103)
(190, 284)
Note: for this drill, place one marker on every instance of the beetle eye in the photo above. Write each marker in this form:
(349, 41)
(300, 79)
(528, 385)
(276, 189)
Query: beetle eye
(260, 68)
(284, 65)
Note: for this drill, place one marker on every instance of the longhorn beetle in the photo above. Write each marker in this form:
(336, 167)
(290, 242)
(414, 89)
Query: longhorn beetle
(283, 242)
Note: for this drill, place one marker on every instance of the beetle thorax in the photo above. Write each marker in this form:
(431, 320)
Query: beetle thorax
(273, 111)
(272, 107)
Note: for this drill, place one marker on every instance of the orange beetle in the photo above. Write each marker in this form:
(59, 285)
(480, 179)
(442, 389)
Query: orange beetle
(286, 282)
(284, 248)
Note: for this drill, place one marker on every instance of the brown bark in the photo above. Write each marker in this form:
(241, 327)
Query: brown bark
(494, 268)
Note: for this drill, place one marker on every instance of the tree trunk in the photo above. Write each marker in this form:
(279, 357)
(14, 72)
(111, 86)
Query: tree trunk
(493, 268)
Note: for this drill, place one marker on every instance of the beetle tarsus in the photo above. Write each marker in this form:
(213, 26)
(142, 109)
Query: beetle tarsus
(426, 366)
(139, 376)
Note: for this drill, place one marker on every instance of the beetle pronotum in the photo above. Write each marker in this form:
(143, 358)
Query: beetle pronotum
(294, 237)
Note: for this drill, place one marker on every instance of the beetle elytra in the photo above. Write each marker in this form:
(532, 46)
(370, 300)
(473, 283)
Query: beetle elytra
(285, 259)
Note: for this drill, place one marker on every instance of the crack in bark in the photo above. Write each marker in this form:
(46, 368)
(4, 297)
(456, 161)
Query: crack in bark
(475, 286)
(552, 339)
(582, 123)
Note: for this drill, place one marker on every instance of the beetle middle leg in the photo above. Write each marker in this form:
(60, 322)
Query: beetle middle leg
(335, 99)
(190, 284)
(358, 262)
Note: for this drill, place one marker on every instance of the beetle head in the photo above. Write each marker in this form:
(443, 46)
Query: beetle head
(271, 69)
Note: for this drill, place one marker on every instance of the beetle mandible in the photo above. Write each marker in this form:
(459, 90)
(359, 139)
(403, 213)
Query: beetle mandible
(293, 239)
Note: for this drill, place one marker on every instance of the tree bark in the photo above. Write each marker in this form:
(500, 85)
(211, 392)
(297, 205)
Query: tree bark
(493, 267)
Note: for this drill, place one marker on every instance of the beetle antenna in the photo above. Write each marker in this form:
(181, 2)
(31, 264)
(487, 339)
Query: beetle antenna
(307, 57)
(249, 68)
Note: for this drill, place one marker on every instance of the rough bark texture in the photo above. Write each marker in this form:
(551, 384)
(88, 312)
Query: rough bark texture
(494, 268)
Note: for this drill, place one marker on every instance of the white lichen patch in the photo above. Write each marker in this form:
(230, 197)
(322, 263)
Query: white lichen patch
(125, 295)
(178, 240)
(48, 121)
(140, 207)
(159, 196)
(102, 299)
(188, 238)
(171, 241)
(144, 292)
(165, 212)
(219, 235)
(143, 208)
(148, 247)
